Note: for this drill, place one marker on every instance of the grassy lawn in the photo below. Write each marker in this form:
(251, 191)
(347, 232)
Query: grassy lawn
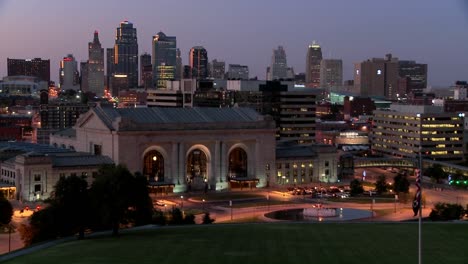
(268, 243)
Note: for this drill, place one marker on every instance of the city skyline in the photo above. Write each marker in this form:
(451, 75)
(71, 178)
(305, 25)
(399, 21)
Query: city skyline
(410, 31)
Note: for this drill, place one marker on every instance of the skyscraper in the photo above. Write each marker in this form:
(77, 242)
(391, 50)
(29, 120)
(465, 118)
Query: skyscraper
(110, 64)
(279, 66)
(164, 59)
(146, 71)
(126, 52)
(218, 69)
(415, 73)
(36, 67)
(377, 77)
(84, 76)
(69, 76)
(179, 65)
(198, 61)
(331, 73)
(96, 66)
(314, 56)
(236, 71)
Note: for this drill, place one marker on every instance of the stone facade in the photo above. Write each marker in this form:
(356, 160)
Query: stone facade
(197, 145)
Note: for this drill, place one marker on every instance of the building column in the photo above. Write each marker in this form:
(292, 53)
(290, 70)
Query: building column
(259, 171)
(175, 177)
(221, 182)
(180, 164)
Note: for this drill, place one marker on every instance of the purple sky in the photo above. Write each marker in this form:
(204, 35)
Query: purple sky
(245, 31)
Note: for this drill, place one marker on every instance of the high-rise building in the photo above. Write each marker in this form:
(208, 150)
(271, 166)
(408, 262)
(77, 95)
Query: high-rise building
(279, 66)
(146, 70)
(110, 64)
(179, 65)
(412, 130)
(416, 74)
(187, 72)
(198, 61)
(36, 67)
(236, 71)
(314, 57)
(218, 69)
(377, 77)
(164, 59)
(331, 73)
(69, 76)
(96, 66)
(126, 52)
(84, 76)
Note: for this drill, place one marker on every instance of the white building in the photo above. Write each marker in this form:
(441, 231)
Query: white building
(180, 148)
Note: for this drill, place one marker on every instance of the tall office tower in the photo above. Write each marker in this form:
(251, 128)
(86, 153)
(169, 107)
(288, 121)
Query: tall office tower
(126, 52)
(314, 56)
(110, 64)
(96, 66)
(36, 67)
(164, 59)
(187, 72)
(236, 71)
(198, 60)
(84, 76)
(179, 65)
(69, 76)
(279, 66)
(415, 74)
(377, 77)
(331, 73)
(218, 69)
(145, 63)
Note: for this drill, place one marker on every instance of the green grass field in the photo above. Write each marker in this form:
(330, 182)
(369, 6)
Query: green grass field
(393, 243)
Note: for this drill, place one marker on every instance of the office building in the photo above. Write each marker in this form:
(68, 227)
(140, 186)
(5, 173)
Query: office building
(146, 71)
(198, 61)
(126, 53)
(69, 75)
(164, 59)
(118, 82)
(415, 74)
(179, 65)
(377, 77)
(314, 57)
(331, 74)
(84, 76)
(36, 67)
(218, 69)
(238, 72)
(279, 67)
(95, 67)
(406, 130)
(110, 64)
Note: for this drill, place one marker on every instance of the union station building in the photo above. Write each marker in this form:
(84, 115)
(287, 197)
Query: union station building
(180, 149)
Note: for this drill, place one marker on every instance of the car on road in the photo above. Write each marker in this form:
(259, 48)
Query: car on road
(160, 203)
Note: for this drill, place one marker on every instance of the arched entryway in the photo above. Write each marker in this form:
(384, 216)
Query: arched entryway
(197, 169)
(238, 163)
(153, 166)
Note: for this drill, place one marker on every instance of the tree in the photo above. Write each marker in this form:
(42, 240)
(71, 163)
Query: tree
(381, 184)
(436, 172)
(207, 219)
(401, 184)
(446, 212)
(6, 210)
(119, 198)
(356, 187)
(72, 201)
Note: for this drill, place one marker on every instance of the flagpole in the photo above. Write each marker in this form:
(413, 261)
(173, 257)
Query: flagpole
(420, 197)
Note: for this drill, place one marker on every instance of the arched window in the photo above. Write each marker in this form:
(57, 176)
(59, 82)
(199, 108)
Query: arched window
(153, 166)
(237, 163)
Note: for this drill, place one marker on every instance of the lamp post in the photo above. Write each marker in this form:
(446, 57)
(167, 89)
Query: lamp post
(420, 190)
(203, 201)
(182, 203)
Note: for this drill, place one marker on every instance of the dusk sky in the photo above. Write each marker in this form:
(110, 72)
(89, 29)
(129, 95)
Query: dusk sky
(245, 32)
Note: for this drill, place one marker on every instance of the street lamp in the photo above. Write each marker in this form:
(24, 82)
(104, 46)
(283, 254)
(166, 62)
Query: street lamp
(203, 204)
(182, 202)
